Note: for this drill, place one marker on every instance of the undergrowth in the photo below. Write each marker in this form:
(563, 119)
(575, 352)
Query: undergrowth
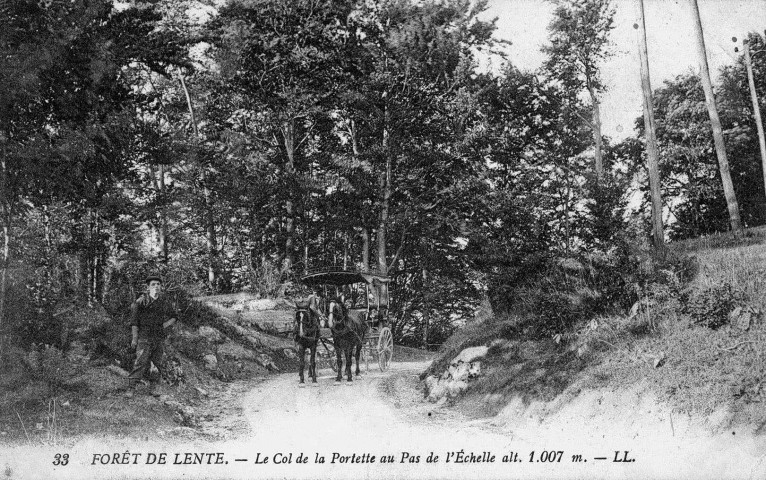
(693, 334)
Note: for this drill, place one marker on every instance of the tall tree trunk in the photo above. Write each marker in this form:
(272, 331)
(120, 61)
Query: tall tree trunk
(345, 250)
(756, 110)
(48, 260)
(597, 141)
(6, 218)
(715, 122)
(4, 281)
(98, 264)
(163, 216)
(288, 135)
(365, 234)
(354, 140)
(426, 308)
(567, 201)
(652, 153)
(210, 238)
(89, 258)
(384, 192)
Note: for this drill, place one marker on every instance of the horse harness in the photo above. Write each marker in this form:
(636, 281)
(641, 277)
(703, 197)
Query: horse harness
(346, 328)
(313, 329)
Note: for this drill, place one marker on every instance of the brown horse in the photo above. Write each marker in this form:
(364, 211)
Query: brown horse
(348, 335)
(306, 333)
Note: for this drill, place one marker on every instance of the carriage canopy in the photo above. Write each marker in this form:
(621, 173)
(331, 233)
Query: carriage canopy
(375, 284)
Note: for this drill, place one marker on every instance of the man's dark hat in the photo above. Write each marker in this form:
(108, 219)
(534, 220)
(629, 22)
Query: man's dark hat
(151, 278)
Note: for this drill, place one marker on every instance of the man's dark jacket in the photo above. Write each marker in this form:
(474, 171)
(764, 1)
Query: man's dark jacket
(149, 314)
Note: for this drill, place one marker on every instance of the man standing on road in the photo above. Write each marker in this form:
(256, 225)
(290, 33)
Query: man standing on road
(150, 316)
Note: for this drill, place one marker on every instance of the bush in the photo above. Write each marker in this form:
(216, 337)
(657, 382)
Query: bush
(710, 307)
(564, 291)
(48, 363)
(267, 280)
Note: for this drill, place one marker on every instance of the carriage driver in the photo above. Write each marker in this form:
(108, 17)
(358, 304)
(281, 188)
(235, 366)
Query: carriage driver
(315, 308)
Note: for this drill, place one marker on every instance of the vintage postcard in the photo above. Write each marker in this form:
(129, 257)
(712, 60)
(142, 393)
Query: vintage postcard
(300, 239)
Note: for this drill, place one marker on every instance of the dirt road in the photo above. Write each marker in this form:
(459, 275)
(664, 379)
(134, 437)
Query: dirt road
(380, 427)
(595, 435)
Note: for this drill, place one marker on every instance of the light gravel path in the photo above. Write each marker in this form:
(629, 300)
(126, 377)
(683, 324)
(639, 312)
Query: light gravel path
(384, 414)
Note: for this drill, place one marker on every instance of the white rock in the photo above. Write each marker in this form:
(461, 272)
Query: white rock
(267, 362)
(474, 369)
(211, 362)
(236, 351)
(211, 334)
(117, 370)
(455, 388)
(438, 392)
(470, 354)
(262, 304)
(430, 382)
(463, 371)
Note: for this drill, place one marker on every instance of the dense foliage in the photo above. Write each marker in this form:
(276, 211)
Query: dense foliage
(236, 148)
(691, 182)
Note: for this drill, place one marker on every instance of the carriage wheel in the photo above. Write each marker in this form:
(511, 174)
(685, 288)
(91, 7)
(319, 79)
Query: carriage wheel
(385, 348)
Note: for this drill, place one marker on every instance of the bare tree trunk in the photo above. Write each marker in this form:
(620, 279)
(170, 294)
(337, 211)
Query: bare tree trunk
(48, 273)
(4, 210)
(384, 190)
(756, 110)
(4, 284)
(365, 249)
(652, 153)
(354, 140)
(384, 185)
(364, 233)
(345, 250)
(98, 266)
(212, 246)
(426, 308)
(106, 278)
(567, 221)
(288, 135)
(597, 140)
(163, 216)
(89, 259)
(715, 122)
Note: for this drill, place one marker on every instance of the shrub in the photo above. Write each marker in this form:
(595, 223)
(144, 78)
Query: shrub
(710, 307)
(48, 363)
(564, 291)
(172, 371)
(267, 280)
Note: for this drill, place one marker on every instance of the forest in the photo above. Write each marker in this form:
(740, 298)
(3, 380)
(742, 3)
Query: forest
(235, 147)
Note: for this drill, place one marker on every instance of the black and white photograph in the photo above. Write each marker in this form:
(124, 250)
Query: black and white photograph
(382, 239)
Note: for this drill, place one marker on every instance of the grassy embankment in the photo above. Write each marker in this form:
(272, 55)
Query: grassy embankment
(667, 345)
(50, 396)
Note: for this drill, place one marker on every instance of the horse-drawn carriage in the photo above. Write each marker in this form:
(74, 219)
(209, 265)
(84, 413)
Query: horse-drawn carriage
(361, 298)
